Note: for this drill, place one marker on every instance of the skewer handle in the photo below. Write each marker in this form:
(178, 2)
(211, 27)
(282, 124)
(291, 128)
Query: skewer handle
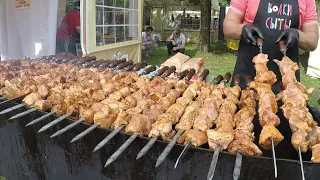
(227, 77)
(190, 74)
(125, 64)
(183, 74)
(115, 63)
(105, 64)
(259, 41)
(282, 47)
(162, 70)
(140, 66)
(236, 79)
(150, 69)
(169, 71)
(204, 74)
(130, 67)
(248, 79)
(218, 79)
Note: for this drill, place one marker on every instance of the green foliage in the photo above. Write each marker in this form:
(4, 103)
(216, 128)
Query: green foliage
(225, 2)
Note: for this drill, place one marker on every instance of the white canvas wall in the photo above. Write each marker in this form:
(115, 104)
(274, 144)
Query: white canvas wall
(28, 32)
(314, 62)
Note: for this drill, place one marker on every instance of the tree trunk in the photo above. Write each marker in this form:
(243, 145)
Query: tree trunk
(204, 39)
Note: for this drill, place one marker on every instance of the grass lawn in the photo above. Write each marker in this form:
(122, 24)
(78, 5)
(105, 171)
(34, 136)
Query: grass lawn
(222, 60)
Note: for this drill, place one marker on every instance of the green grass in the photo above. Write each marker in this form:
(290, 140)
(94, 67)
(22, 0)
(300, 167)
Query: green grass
(222, 60)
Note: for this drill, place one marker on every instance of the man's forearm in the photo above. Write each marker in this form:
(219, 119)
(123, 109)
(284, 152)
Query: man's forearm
(308, 41)
(232, 29)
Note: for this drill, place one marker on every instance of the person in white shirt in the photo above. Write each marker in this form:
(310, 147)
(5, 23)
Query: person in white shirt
(176, 42)
(148, 44)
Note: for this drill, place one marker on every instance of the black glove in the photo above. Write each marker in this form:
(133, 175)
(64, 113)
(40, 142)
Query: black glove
(290, 37)
(250, 33)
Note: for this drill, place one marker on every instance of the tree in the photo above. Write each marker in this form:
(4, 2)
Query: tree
(204, 40)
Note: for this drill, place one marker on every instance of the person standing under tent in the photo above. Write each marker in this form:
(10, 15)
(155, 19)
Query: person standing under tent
(68, 34)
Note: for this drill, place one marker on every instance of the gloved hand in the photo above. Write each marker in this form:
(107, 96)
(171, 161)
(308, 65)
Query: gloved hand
(289, 36)
(250, 33)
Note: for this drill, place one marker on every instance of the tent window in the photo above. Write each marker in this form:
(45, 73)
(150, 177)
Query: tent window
(116, 21)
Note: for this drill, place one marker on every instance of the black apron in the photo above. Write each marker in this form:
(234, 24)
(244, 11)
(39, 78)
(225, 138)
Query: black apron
(271, 17)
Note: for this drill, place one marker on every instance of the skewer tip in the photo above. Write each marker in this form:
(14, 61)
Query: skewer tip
(41, 130)
(54, 135)
(29, 124)
(139, 156)
(13, 117)
(108, 162)
(96, 148)
(158, 163)
(74, 140)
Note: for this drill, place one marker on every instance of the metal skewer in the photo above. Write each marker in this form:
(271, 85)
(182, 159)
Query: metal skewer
(54, 122)
(12, 108)
(203, 77)
(274, 160)
(214, 163)
(260, 44)
(238, 162)
(40, 119)
(119, 151)
(167, 150)
(301, 164)
(169, 147)
(23, 113)
(3, 102)
(237, 166)
(108, 138)
(183, 153)
(84, 133)
(218, 149)
(146, 148)
(65, 129)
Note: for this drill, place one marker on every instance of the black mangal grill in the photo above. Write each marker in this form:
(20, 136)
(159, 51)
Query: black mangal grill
(27, 154)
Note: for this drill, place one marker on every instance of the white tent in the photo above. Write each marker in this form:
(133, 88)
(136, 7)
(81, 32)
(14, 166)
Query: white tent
(314, 63)
(28, 32)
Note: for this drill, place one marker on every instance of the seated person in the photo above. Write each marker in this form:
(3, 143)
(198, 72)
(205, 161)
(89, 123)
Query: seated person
(176, 42)
(148, 44)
